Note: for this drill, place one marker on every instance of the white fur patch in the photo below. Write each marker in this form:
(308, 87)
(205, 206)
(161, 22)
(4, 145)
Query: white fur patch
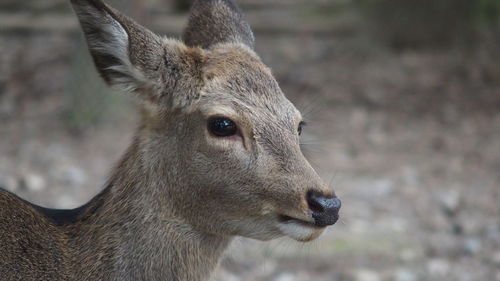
(111, 39)
(299, 231)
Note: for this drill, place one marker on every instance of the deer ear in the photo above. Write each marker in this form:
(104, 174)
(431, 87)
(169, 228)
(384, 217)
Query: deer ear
(127, 55)
(217, 21)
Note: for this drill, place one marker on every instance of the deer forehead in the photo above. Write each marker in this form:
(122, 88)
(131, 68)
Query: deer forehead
(227, 58)
(237, 78)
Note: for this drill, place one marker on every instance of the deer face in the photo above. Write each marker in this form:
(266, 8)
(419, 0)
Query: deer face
(216, 123)
(244, 167)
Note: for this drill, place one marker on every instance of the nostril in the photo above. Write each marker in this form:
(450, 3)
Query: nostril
(325, 211)
(316, 201)
(335, 204)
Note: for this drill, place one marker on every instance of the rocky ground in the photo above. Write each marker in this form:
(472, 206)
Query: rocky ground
(408, 139)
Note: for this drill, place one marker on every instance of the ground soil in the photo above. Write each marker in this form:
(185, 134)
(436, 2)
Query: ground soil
(409, 140)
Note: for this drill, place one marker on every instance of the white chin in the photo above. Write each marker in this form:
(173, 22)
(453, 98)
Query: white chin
(300, 231)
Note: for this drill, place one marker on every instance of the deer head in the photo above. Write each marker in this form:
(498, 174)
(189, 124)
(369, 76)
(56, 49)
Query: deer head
(218, 141)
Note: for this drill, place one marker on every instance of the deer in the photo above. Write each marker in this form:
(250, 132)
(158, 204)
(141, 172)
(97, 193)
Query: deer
(216, 155)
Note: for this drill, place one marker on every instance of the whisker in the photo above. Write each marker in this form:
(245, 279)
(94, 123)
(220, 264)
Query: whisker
(314, 107)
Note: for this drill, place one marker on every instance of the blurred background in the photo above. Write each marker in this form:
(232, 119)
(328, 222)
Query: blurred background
(402, 99)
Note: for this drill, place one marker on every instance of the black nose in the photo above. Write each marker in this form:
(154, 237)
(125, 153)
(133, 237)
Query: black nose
(325, 211)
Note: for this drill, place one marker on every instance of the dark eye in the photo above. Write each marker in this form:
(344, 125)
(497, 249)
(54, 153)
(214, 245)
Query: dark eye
(222, 126)
(299, 129)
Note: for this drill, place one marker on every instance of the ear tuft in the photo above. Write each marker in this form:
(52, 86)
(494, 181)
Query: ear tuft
(217, 21)
(132, 58)
(111, 38)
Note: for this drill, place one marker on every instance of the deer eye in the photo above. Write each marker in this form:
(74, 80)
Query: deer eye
(222, 126)
(299, 129)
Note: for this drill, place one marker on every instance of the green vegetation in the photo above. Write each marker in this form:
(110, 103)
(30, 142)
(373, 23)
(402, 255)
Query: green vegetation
(486, 12)
(430, 23)
(89, 101)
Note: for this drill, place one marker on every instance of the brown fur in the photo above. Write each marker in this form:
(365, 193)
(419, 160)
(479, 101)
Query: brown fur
(179, 194)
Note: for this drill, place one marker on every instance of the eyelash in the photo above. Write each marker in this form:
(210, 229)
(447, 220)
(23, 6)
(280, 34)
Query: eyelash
(301, 125)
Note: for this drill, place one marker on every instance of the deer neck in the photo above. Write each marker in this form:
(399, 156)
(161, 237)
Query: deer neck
(132, 229)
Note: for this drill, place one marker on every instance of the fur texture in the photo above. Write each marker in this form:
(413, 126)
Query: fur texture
(179, 194)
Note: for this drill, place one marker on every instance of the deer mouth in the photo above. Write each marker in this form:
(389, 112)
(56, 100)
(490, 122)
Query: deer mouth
(298, 229)
(291, 220)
